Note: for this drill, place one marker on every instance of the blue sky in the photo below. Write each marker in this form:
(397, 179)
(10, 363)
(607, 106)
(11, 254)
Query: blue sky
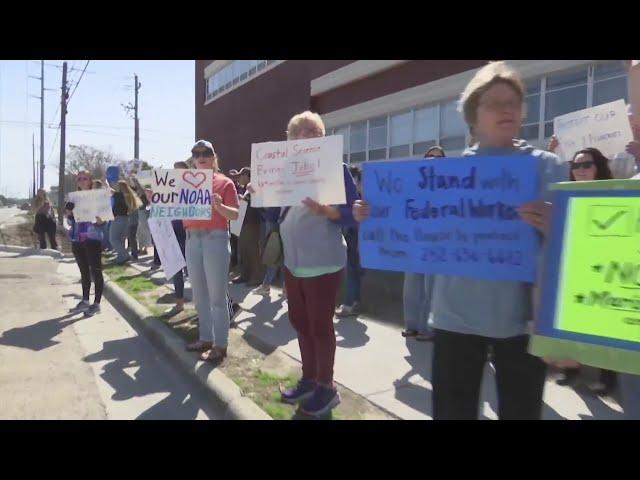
(95, 115)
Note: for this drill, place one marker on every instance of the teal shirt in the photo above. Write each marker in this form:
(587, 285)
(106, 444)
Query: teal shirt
(315, 271)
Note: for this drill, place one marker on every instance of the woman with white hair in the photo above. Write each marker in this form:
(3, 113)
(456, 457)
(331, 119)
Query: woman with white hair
(474, 317)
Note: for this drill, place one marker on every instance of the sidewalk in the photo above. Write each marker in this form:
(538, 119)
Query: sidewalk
(375, 361)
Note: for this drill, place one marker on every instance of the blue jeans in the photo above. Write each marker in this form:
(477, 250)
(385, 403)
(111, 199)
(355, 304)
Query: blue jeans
(630, 389)
(416, 301)
(207, 256)
(354, 272)
(117, 233)
(106, 244)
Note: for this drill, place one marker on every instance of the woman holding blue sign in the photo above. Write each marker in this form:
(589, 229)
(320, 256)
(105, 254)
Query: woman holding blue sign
(472, 316)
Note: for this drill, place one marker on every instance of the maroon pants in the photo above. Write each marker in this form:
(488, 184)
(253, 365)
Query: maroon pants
(312, 302)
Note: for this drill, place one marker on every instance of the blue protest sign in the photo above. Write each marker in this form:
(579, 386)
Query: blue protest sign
(113, 174)
(455, 216)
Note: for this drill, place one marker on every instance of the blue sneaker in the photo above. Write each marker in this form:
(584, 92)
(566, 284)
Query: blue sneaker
(323, 400)
(303, 390)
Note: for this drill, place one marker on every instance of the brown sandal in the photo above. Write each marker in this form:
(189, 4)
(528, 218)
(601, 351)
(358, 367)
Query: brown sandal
(215, 354)
(199, 346)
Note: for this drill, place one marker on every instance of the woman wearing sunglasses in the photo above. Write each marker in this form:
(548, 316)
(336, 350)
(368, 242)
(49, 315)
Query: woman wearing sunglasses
(207, 254)
(86, 245)
(587, 165)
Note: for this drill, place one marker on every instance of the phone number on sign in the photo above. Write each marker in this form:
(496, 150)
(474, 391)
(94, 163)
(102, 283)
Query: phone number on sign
(472, 255)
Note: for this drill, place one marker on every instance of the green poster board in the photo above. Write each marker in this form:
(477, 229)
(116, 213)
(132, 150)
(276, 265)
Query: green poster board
(590, 309)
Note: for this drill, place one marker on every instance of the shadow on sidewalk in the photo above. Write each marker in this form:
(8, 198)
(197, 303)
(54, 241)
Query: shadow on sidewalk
(353, 333)
(38, 336)
(411, 391)
(126, 354)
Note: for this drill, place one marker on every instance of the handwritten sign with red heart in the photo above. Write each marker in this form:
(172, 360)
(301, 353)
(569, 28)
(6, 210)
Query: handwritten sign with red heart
(194, 179)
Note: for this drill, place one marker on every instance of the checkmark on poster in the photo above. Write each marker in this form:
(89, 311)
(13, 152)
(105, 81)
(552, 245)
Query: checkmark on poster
(610, 221)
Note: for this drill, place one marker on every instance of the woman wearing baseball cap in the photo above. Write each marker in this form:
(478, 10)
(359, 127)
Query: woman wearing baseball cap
(207, 255)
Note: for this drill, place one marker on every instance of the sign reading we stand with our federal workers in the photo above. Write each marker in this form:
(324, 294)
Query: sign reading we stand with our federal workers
(454, 216)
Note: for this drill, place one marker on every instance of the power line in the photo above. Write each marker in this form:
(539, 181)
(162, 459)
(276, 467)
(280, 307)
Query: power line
(78, 82)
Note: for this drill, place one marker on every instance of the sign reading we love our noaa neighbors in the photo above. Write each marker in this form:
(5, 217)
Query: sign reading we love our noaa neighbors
(182, 194)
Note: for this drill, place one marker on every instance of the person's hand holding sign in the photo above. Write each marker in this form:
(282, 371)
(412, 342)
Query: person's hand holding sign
(229, 213)
(537, 214)
(361, 210)
(328, 211)
(217, 202)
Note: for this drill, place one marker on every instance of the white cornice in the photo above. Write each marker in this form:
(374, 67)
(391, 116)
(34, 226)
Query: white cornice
(438, 90)
(215, 66)
(350, 73)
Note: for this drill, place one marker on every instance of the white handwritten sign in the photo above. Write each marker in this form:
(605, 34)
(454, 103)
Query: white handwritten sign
(285, 173)
(167, 245)
(605, 127)
(236, 225)
(90, 204)
(181, 194)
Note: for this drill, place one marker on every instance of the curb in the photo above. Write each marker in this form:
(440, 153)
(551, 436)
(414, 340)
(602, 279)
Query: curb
(31, 251)
(224, 392)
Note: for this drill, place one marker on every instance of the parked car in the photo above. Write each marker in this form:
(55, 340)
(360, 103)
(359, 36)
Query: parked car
(25, 206)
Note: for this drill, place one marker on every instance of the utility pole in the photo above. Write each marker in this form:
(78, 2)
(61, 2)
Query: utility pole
(33, 150)
(136, 146)
(63, 124)
(134, 107)
(41, 123)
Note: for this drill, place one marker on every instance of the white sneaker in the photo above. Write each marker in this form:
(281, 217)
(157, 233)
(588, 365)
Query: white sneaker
(262, 290)
(347, 311)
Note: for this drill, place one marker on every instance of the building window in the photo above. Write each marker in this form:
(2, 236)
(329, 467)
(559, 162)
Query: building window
(400, 135)
(565, 93)
(233, 74)
(531, 123)
(425, 129)
(344, 131)
(453, 129)
(609, 83)
(378, 138)
(358, 142)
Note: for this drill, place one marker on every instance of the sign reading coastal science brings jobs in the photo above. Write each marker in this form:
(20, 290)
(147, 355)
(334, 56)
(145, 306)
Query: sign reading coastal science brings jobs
(455, 216)
(591, 294)
(182, 194)
(285, 173)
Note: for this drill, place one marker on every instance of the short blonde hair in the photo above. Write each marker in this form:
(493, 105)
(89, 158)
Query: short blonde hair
(298, 121)
(484, 79)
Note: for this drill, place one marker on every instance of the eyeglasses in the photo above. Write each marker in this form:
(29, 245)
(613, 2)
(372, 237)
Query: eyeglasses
(582, 165)
(202, 154)
(497, 106)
